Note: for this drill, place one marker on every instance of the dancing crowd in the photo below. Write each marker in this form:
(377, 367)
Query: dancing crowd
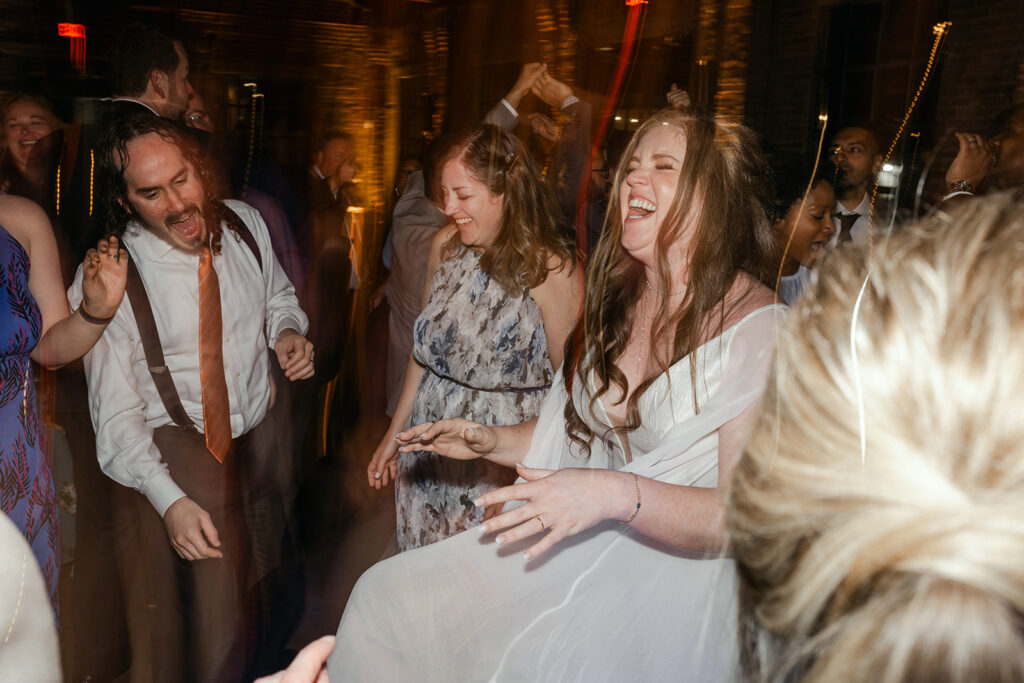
(683, 410)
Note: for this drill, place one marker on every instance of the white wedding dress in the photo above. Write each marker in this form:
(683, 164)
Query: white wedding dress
(605, 605)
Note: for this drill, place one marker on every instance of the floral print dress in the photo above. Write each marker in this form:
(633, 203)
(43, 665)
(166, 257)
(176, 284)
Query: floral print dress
(486, 359)
(26, 485)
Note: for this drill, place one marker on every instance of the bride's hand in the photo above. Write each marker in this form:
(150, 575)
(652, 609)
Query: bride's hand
(561, 503)
(453, 438)
(384, 463)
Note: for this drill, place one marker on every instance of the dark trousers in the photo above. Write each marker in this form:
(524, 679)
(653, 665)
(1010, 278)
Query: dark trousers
(199, 621)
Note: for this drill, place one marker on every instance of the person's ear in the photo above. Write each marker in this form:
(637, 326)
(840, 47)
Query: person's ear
(876, 166)
(160, 83)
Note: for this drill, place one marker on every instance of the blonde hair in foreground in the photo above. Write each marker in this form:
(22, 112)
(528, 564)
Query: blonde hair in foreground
(908, 565)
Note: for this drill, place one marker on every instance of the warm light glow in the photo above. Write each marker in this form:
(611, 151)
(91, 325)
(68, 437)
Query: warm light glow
(634, 120)
(632, 3)
(65, 30)
(356, 209)
(618, 118)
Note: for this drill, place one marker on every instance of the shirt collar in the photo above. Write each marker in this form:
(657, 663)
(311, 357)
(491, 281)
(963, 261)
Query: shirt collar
(861, 209)
(138, 102)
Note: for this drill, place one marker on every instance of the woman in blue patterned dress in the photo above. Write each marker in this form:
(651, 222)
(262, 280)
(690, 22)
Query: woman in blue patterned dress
(503, 292)
(35, 324)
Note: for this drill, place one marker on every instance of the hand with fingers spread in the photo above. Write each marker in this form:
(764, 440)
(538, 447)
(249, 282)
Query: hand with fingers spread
(295, 354)
(453, 438)
(384, 464)
(192, 533)
(104, 273)
(972, 163)
(561, 503)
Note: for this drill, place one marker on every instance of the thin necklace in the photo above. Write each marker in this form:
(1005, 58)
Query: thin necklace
(645, 320)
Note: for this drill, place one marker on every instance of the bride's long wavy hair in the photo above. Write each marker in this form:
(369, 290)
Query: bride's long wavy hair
(720, 208)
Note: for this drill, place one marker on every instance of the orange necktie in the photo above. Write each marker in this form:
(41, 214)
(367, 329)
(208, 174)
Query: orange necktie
(216, 414)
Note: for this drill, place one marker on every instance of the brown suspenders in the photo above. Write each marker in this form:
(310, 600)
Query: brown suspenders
(150, 336)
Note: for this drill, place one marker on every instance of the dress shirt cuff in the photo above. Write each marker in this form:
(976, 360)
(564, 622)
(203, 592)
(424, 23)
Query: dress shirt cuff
(285, 324)
(954, 194)
(162, 492)
(569, 101)
(510, 107)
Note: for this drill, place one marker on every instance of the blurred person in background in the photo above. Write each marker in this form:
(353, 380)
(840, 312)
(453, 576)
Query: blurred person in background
(26, 120)
(989, 163)
(801, 214)
(856, 155)
(416, 219)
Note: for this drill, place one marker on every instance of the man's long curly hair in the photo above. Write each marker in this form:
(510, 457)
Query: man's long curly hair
(115, 209)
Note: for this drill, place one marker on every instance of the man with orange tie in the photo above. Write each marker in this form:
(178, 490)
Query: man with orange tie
(179, 392)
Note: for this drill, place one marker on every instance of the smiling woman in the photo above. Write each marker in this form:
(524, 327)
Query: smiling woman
(503, 292)
(26, 119)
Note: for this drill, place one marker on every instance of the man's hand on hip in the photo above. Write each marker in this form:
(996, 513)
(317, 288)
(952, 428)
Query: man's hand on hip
(192, 533)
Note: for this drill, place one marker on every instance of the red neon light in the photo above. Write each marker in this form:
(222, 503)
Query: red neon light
(71, 30)
(633, 3)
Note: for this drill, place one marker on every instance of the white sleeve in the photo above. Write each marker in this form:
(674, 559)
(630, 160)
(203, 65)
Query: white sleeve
(282, 307)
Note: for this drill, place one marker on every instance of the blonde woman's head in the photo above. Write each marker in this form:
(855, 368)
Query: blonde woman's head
(903, 561)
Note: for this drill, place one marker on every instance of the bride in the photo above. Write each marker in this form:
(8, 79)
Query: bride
(607, 563)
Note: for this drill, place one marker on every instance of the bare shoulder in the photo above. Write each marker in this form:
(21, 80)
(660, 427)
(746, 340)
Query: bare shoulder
(24, 220)
(565, 278)
(746, 296)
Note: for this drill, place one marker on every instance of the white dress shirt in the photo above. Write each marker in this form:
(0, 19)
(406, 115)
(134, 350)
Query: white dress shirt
(859, 231)
(125, 405)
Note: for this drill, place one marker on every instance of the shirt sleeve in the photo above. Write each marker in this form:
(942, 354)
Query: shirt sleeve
(124, 442)
(282, 308)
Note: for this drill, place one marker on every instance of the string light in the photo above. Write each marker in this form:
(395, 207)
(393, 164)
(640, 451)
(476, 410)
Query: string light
(92, 170)
(57, 187)
(823, 118)
(940, 30)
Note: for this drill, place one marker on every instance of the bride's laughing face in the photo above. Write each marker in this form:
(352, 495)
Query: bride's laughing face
(649, 189)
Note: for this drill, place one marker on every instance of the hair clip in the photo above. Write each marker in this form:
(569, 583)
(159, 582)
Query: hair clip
(510, 160)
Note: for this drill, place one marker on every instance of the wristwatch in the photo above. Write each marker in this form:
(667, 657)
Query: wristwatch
(962, 186)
